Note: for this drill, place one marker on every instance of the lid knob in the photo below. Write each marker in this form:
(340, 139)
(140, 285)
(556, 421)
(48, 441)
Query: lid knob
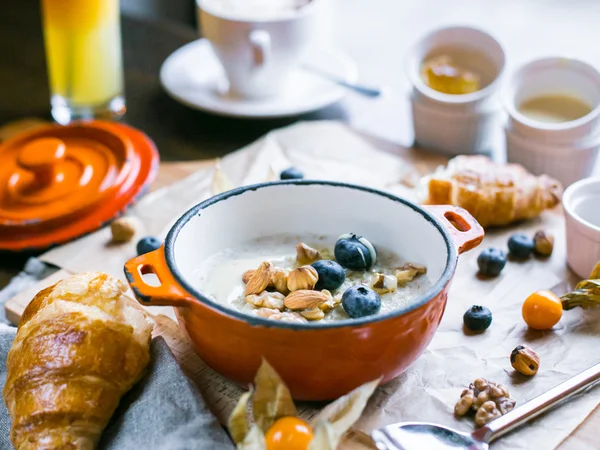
(41, 157)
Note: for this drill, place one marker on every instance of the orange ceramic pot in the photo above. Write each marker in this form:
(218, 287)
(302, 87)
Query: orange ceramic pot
(318, 361)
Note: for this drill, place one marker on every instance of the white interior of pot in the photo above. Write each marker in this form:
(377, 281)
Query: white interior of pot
(303, 209)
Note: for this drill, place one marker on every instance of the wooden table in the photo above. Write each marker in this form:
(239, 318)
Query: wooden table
(376, 34)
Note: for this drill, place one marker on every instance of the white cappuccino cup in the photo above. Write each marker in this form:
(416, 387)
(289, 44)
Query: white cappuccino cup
(259, 43)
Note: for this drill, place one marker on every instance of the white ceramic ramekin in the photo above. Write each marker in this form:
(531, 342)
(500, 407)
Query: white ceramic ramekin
(554, 75)
(566, 163)
(454, 124)
(567, 151)
(581, 202)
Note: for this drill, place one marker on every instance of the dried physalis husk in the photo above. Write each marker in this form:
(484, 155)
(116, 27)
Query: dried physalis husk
(255, 440)
(304, 277)
(323, 437)
(345, 411)
(260, 279)
(306, 254)
(220, 182)
(383, 284)
(238, 420)
(586, 293)
(408, 272)
(272, 399)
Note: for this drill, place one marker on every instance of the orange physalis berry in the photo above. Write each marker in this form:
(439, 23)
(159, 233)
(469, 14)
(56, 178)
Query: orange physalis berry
(289, 433)
(542, 310)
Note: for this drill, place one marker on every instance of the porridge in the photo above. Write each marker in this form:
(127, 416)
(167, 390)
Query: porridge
(311, 278)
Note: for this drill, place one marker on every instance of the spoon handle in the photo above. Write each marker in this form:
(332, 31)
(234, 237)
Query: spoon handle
(538, 405)
(367, 91)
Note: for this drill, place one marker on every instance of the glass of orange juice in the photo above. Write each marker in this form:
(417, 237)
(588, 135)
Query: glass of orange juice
(83, 55)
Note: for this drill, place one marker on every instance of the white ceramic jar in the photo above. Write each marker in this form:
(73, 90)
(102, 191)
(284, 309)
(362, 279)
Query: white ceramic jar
(581, 202)
(566, 151)
(456, 124)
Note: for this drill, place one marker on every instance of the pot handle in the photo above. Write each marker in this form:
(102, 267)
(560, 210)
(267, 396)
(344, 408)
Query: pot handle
(462, 226)
(167, 293)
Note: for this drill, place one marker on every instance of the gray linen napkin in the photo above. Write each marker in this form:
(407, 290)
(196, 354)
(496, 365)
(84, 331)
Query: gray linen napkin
(164, 411)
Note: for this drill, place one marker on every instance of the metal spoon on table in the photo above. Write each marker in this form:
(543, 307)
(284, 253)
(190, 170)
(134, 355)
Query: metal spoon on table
(367, 91)
(422, 435)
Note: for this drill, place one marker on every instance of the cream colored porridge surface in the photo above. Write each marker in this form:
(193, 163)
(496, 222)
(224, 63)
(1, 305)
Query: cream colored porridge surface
(219, 277)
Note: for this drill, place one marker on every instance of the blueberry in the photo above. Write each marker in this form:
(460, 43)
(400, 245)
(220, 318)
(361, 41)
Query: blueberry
(491, 261)
(148, 244)
(477, 318)
(291, 174)
(360, 301)
(331, 274)
(354, 252)
(520, 246)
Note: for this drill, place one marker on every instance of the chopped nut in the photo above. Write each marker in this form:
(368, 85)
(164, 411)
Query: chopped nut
(543, 243)
(272, 300)
(312, 314)
(408, 272)
(279, 280)
(273, 314)
(247, 275)
(382, 284)
(305, 299)
(265, 312)
(123, 229)
(486, 413)
(260, 279)
(465, 402)
(331, 302)
(302, 278)
(524, 360)
(306, 254)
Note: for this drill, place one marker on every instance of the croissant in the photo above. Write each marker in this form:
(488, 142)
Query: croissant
(79, 347)
(495, 194)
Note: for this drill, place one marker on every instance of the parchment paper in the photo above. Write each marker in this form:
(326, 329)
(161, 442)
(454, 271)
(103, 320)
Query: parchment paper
(431, 387)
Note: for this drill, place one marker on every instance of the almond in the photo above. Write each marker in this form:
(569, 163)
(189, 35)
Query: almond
(247, 275)
(302, 278)
(305, 299)
(260, 280)
(306, 254)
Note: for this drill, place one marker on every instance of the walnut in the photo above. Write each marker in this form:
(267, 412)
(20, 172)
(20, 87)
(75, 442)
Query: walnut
(273, 314)
(486, 413)
(408, 272)
(272, 300)
(465, 402)
(306, 254)
(524, 360)
(487, 399)
(123, 229)
(382, 284)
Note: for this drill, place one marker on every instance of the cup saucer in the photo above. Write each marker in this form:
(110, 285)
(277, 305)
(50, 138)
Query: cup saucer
(193, 76)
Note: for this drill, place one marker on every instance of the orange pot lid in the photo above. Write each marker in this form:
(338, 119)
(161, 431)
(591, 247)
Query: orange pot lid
(60, 182)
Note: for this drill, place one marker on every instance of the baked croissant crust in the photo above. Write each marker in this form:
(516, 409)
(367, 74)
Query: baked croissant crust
(495, 194)
(79, 347)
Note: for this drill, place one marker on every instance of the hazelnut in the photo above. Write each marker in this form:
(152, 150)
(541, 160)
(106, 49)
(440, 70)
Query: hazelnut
(524, 360)
(302, 278)
(123, 229)
(306, 255)
(543, 243)
(279, 280)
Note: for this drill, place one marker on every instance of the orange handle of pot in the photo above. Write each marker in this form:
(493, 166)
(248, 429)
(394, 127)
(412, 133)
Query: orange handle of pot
(167, 293)
(462, 226)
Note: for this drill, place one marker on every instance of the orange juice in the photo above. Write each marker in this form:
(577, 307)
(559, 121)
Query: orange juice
(83, 53)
